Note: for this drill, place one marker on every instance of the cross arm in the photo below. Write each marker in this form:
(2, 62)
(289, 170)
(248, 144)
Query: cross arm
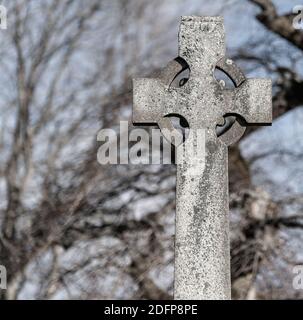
(252, 101)
(152, 100)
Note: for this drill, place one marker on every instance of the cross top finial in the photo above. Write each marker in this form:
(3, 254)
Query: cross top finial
(201, 43)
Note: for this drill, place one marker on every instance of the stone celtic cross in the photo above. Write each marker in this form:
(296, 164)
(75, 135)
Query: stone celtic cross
(202, 249)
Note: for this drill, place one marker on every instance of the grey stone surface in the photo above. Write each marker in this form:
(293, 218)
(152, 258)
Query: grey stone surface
(202, 258)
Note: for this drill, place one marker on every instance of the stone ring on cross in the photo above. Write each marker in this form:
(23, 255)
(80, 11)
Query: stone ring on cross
(228, 129)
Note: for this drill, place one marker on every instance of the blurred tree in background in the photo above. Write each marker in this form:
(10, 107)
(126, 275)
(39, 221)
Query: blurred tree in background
(73, 229)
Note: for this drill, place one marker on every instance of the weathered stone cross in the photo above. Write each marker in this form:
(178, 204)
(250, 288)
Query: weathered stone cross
(202, 257)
